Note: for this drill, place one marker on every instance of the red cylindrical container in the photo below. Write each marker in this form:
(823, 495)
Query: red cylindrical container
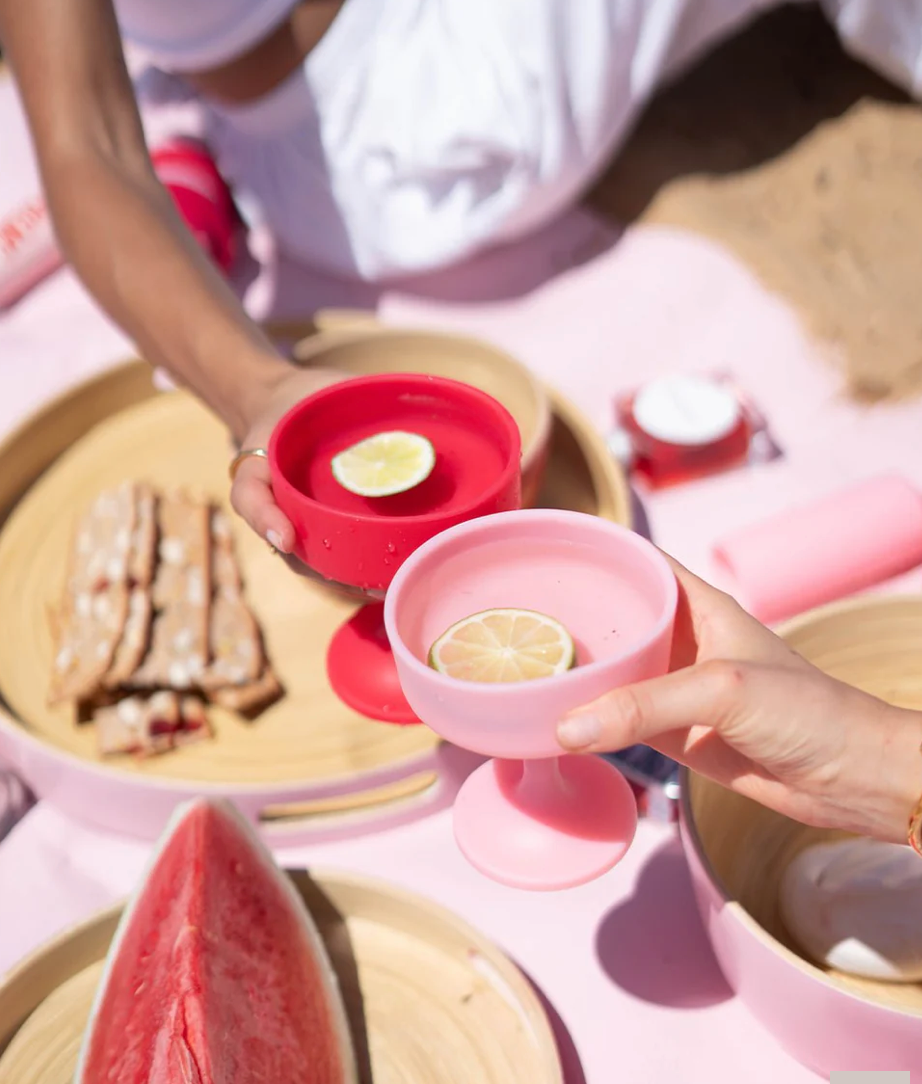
(681, 427)
(201, 195)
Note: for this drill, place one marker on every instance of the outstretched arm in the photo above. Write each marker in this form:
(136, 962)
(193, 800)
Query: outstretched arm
(119, 229)
(115, 222)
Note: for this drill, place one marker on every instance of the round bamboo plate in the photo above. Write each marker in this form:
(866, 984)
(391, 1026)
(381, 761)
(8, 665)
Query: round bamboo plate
(430, 1001)
(872, 643)
(309, 765)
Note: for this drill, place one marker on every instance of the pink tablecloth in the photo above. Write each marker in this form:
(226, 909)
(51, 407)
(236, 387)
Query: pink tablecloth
(624, 960)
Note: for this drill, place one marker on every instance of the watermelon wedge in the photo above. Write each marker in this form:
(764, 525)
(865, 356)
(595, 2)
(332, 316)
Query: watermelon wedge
(216, 974)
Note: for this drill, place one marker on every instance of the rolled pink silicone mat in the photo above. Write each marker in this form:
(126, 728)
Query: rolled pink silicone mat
(806, 556)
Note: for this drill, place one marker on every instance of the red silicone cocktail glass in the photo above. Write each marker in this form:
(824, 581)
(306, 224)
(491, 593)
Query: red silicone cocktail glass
(535, 818)
(359, 543)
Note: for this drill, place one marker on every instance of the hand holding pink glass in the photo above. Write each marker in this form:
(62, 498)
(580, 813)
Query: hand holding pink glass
(534, 818)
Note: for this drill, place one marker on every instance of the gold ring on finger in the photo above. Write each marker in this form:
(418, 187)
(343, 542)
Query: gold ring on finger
(247, 453)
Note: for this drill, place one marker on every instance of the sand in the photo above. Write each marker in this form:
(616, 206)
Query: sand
(808, 167)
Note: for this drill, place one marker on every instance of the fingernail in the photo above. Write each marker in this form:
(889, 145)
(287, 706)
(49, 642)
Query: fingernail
(275, 541)
(579, 731)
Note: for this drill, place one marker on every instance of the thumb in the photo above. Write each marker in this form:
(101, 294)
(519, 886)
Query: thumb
(252, 499)
(712, 693)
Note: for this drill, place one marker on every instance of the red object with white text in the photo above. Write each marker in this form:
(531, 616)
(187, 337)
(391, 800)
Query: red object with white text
(201, 195)
(28, 250)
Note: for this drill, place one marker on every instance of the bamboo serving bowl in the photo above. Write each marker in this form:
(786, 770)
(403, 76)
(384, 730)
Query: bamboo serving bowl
(307, 768)
(737, 850)
(429, 1000)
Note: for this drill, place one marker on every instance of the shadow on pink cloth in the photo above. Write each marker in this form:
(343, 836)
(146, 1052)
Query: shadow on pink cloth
(653, 944)
(275, 287)
(569, 1057)
(15, 800)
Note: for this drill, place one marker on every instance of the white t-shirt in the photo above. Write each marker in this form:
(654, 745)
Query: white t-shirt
(419, 131)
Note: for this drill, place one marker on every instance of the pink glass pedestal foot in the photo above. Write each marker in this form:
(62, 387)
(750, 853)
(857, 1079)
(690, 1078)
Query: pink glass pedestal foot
(361, 668)
(545, 824)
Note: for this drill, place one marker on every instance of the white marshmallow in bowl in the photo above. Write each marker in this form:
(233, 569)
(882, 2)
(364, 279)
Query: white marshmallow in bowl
(856, 906)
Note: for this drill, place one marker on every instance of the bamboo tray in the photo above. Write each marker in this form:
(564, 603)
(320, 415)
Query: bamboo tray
(430, 1000)
(309, 767)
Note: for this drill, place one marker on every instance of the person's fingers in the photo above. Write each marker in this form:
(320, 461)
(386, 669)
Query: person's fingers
(251, 496)
(685, 646)
(686, 578)
(711, 692)
(692, 716)
(697, 590)
(702, 749)
(710, 624)
(706, 753)
(251, 491)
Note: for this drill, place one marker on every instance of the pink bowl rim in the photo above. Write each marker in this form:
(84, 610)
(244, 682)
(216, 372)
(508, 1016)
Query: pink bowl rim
(692, 838)
(489, 525)
(511, 468)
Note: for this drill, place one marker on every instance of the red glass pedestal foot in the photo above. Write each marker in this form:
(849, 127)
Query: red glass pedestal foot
(361, 669)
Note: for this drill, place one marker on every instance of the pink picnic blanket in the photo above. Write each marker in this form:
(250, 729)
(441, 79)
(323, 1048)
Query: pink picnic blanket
(624, 960)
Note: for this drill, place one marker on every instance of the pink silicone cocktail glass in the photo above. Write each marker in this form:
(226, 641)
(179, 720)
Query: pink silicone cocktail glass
(358, 543)
(535, 818)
